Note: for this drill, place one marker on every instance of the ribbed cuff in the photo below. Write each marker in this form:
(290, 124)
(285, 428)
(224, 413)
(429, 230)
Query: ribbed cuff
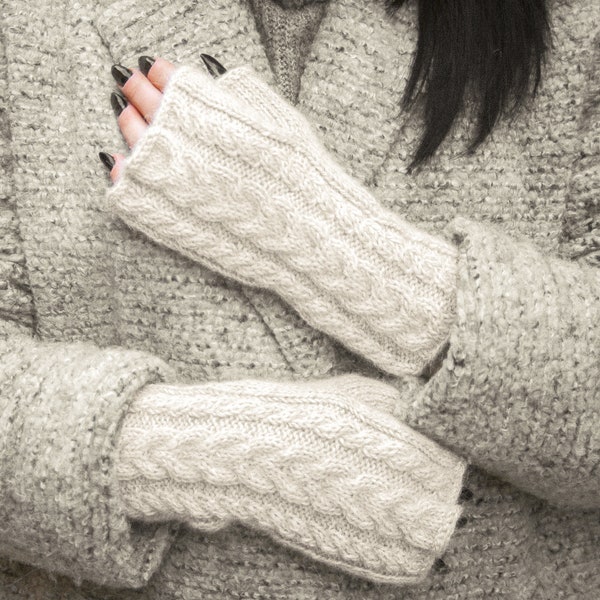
(242, 185)
(316, 465)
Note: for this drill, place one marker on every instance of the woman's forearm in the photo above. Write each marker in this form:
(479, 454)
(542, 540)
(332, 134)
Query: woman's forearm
(242, 185)
(315, 464)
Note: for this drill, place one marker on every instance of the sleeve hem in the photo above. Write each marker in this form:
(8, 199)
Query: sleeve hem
(60, 508)
(516, 393)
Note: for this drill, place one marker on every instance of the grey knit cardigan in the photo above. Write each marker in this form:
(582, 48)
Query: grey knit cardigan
(91, 310)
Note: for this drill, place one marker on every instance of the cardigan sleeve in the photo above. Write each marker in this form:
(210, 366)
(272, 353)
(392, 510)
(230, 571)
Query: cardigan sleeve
(519, 391)
(61, 407)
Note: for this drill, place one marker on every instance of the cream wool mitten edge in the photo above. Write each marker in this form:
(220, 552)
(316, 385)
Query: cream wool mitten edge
(242, 184)
(314, 464)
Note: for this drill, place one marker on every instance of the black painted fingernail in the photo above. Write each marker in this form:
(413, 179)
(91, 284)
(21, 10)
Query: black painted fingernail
(121, 74)
(107, 159)
(465, 495)
(119, 102)
(462, 522)
(145, 62)
(215, 68)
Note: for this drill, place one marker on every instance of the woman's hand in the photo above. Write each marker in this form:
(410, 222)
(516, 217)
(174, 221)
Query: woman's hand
(233, 176)
(138, 99)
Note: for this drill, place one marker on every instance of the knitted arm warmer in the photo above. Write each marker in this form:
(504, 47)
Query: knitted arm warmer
(231, 175)
(321, 466)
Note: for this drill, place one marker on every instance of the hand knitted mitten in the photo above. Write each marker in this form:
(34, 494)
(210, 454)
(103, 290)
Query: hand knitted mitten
(231, 175)
(318, 465)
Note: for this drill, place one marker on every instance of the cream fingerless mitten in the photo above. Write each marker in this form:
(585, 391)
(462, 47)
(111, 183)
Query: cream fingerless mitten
(231, 175)
(320, 466)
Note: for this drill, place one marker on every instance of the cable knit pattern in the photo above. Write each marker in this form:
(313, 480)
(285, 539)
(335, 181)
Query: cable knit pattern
(315, 464)
(242, 185)
(93, 278)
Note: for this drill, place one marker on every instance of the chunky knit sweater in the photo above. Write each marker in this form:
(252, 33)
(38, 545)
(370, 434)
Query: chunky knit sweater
(108, 329)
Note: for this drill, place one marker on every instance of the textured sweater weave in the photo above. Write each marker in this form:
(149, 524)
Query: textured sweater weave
(287, 35)
(94, 279)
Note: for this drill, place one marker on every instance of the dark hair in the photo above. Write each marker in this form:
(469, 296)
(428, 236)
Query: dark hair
(493, 49)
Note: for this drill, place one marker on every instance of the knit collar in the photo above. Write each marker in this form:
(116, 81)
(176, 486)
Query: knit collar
(291, 4)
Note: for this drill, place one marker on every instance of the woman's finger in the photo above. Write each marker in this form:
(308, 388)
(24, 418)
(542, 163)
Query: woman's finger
(157, 70)
(116, 170)
(145, 94)
(113, 162)
(143, 87)
(130, 121)
(138, 90)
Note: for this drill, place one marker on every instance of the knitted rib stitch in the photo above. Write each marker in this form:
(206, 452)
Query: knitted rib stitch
(315, 464)
(287, 35)
(241, 184)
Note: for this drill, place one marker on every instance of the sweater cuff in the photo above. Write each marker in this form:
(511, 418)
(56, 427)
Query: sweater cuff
(62, 408)
(518, 391)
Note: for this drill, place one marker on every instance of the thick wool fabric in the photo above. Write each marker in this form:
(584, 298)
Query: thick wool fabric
(232, 176)
(317, 465)
(287, 35)
(246, 189)
(553, 448)
(48, 498)
(16, 303)
(88, 277)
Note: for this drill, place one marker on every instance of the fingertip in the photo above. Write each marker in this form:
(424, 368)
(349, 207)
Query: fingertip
(145, 63)
(107, 159)
(118, 166)
(160, 72)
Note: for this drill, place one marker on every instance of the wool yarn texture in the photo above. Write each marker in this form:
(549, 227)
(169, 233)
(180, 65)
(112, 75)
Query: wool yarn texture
(317, 465)
(230, 174)
(552, 392)
(290, 29)
(69, 271)
(51, 444)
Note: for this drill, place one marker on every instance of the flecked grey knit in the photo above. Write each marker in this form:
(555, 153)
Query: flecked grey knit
(518, 396)
(16, 303)
(287, 34)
